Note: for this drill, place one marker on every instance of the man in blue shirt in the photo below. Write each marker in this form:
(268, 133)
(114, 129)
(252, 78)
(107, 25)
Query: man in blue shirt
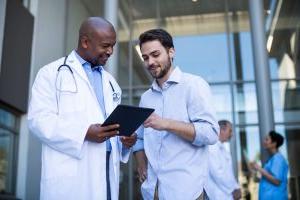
(174, 138)
(273, 183)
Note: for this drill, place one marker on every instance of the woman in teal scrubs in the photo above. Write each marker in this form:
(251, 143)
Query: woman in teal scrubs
(273, 183)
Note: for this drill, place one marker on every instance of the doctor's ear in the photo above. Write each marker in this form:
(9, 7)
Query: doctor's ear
(84, 41)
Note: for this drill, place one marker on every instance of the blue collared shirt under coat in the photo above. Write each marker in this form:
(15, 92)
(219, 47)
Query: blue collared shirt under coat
(95, 77)
(179, 166)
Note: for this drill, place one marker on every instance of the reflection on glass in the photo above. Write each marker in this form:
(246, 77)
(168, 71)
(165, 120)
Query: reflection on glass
(248, 150)
(286, 101)
(222, 101)
(283, 39)
(5, 161)
(243, 62)
(291, 150)
(245, 103)
(8, 119)
(197, 55)
(283, 67)
(283, 42)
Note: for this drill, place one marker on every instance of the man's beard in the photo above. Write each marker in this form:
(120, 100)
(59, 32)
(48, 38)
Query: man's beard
(164, 70)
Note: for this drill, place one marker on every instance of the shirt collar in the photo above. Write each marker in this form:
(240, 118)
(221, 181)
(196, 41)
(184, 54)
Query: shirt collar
(85, 63)
(80, 59)
(174, 78)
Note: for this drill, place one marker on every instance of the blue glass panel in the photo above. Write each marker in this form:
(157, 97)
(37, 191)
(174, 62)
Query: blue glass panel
(204, 55)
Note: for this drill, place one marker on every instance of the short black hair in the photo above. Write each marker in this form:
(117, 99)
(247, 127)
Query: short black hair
(224, 123)
(276, 137)
(157, 34)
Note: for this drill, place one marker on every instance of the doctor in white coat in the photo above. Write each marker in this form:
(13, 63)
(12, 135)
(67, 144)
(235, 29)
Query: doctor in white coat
(221, 182)
(66, 115)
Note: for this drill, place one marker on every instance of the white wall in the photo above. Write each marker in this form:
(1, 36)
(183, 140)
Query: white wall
(77, 12)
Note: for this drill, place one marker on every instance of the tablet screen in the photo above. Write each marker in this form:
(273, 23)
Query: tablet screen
(128, 117)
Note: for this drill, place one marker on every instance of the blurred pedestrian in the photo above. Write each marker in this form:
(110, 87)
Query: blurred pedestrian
(273, 183)
(221, 182)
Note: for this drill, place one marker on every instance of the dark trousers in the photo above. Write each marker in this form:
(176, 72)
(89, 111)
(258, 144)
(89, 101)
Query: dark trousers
(107, 176)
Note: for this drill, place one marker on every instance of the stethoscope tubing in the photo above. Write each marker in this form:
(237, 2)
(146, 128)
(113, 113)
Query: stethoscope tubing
(116, 95)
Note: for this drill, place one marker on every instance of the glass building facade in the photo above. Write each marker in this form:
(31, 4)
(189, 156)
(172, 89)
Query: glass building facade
(212, 39)
(9, 126)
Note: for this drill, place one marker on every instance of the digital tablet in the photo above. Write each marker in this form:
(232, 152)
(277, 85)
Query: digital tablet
(128, 117)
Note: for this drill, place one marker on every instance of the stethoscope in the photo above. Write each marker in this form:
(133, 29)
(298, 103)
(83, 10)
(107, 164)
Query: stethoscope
(116, 95)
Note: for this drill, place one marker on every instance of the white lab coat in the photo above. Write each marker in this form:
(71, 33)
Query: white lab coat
(221, 181)
(73, 168)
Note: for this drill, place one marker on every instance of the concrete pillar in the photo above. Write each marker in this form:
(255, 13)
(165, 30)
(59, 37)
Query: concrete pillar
(262, 72)
(111, 14)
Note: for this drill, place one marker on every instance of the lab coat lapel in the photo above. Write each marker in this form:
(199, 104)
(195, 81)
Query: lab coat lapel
(108, 95)
(109, 107)
(76, 66)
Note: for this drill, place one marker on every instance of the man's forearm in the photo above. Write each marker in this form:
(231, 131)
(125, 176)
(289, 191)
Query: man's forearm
(182, 129)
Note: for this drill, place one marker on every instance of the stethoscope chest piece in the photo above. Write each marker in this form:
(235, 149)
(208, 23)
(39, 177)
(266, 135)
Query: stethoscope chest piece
(116, 96)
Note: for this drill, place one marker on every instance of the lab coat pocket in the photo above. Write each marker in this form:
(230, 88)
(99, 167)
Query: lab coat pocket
(59, 165)
(70, 102)
(66, 188)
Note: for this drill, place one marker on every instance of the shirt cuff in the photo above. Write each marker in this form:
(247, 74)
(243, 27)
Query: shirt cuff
(205, 134)
(125, 150)
(139, 145)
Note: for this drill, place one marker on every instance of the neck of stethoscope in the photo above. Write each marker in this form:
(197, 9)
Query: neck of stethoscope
(112, 87)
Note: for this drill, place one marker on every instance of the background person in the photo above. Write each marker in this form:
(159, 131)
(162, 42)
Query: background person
(221, 182)
(273, 183)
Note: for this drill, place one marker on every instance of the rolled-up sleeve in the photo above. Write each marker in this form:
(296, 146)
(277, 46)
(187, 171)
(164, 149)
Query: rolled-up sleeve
(202, 114)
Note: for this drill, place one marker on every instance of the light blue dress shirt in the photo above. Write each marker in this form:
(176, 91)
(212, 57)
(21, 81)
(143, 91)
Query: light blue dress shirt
(95, 77)
(177, 165)
(278, 167)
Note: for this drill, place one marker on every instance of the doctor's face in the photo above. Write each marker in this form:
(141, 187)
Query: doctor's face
(157, 59)
(100, 46)
(225, 133)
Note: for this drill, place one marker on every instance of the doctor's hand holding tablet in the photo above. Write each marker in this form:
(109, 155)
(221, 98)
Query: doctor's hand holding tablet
(123, 122)
(99, 134)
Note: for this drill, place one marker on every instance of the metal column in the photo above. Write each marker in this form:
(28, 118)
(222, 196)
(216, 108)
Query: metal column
(233, 145)
(111, 14)
(2, 22)
(262, 72)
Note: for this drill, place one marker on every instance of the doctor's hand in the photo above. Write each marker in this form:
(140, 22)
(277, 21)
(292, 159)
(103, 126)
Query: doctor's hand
(156, 122)
(99, 134)
(128, 141)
